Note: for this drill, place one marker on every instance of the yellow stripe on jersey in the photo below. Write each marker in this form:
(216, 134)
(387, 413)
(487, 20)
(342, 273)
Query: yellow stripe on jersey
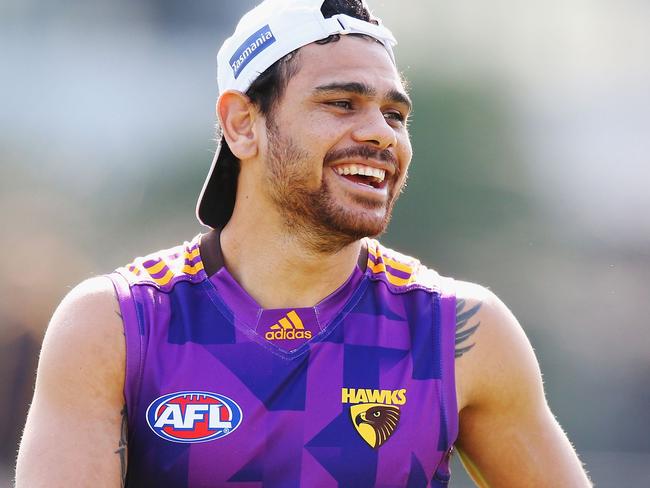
(391, 262)
(392, 279)
(166, 267)
(134, 269)
(155, 268)
(381, 266)
(165, 279)
(192, 270)
(191, 255)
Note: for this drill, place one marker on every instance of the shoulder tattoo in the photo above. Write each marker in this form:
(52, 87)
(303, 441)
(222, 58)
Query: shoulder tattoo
(465, 326)
(122, 446)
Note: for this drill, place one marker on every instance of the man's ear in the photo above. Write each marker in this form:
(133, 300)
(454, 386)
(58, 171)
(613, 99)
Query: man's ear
(237, 116)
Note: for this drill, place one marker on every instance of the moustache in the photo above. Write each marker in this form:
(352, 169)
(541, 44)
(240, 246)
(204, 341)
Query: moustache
(362, 152)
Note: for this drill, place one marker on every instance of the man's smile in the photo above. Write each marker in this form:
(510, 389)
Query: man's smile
(363, 178)
(366, 174)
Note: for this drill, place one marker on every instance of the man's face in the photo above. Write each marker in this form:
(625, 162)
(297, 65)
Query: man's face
(337, 146)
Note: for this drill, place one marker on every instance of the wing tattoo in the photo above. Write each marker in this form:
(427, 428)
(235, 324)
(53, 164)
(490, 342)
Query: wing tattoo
(465, 327)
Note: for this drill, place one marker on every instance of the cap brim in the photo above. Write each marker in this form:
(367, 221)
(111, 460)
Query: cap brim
(217, 198)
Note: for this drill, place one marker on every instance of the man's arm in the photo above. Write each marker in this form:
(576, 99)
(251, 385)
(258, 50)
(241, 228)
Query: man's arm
(508, 436)
(75, 433)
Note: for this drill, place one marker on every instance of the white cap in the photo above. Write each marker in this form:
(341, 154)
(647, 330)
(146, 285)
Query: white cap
(264, 35)
(275, 28)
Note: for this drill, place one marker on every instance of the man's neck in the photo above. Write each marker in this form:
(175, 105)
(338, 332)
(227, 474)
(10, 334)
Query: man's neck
(276, 268)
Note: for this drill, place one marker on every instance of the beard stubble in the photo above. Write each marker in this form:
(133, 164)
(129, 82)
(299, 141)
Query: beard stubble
(315, 216)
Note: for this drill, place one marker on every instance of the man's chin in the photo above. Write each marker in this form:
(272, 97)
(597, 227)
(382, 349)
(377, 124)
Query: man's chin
(362, 224)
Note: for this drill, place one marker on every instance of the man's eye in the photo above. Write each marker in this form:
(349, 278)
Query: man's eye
(346, 104)
(394, 115)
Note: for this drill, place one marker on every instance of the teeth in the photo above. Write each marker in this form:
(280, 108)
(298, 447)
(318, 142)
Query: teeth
(358, 169)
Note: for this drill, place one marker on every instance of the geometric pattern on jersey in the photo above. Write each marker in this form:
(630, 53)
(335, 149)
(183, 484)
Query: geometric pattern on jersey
(384, 339)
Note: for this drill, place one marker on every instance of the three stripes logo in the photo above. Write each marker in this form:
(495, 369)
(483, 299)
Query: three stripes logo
(375, 413)
(288, 327)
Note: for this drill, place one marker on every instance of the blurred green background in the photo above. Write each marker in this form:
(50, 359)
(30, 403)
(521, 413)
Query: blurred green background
(531, 175)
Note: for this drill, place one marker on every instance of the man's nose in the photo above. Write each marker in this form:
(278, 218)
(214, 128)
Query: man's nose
(373, 128)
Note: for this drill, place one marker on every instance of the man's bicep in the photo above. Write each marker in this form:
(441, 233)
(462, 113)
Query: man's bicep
(508, 436)
(73, 432)
(517, 449)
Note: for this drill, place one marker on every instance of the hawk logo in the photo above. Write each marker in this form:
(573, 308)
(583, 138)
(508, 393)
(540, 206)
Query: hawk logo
(375, 422)
(288, 327)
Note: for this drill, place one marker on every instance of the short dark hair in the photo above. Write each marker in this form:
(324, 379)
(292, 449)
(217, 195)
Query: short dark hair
(266, 91)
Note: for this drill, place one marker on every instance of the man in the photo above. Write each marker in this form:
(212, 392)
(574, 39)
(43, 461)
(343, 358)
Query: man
(284, 347)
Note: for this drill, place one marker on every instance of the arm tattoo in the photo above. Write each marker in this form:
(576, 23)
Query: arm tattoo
(463, 331)
(122, 446)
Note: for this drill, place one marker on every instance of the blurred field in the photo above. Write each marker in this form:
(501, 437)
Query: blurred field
(530, 175)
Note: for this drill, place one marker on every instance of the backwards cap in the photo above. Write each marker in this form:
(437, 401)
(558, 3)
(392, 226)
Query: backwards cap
(264, 35)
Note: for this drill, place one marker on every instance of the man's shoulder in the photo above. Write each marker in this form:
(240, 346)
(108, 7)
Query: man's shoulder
(85, 330)
(406, 271)
(496, 354)
(402, 272)
(90, 309)
(92, 293)
(165, 268)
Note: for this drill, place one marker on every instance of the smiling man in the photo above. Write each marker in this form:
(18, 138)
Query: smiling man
(286, 347)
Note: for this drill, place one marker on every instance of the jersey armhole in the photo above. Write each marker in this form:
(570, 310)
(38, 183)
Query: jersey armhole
(131, 321)
(447, 317)
(448, 323)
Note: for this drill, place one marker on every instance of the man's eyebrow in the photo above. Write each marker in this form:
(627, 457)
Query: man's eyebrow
(394, 96)
(397, 96)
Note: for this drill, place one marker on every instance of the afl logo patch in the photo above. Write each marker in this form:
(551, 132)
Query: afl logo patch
(193, 416)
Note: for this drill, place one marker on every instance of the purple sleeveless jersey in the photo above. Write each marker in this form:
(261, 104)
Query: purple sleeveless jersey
(357, 391)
